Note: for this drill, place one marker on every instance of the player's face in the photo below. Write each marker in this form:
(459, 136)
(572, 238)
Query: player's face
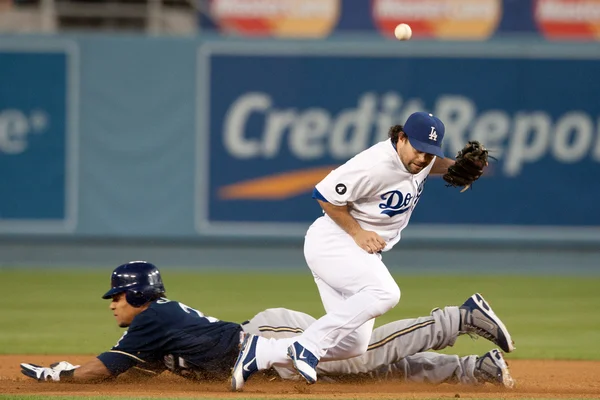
(123, 311)
(414, 161)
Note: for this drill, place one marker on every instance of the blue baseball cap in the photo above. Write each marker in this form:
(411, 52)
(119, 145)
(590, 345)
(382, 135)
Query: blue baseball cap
(425, 133)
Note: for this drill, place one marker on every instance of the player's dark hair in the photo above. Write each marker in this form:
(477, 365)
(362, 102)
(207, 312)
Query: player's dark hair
(394, 133)
(156, 296)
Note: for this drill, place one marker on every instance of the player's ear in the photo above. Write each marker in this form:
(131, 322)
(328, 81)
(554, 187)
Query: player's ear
(402, 138)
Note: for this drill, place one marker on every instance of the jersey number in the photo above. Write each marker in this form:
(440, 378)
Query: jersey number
(188, 310)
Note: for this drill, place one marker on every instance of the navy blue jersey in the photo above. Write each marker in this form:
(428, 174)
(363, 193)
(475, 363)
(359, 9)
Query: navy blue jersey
(170, 335)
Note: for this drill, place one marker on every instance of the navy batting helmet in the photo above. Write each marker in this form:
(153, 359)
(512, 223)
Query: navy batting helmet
(139, 280)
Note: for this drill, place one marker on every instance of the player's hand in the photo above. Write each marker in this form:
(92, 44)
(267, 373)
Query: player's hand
(369, 241)
(47, 374)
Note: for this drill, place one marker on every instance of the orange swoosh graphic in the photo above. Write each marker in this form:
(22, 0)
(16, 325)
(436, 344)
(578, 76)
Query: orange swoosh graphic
(276, 187)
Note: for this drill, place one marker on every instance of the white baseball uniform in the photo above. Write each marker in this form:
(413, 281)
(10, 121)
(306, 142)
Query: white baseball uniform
(355, 286)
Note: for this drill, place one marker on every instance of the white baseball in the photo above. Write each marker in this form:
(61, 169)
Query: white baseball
(403, 32)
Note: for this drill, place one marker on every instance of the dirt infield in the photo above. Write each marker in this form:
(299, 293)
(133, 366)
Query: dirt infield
(548, 379)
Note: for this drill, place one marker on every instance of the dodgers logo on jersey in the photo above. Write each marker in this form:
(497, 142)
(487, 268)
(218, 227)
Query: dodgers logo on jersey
(395, 203)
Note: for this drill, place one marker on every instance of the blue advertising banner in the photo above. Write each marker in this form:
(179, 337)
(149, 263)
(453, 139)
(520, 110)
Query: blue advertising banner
(37, 139)
(278, 121)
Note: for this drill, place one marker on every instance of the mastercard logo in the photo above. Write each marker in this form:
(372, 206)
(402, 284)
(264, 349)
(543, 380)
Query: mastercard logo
(568, 19)
(276, 18)
(439, 19)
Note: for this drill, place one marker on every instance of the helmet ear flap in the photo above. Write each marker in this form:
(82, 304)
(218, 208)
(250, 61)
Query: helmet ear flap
(135, 298)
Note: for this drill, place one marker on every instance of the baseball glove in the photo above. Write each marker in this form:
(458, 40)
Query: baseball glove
(468, 166)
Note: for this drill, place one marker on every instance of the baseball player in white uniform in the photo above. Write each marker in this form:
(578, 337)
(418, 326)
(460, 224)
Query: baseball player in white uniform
(367, 202)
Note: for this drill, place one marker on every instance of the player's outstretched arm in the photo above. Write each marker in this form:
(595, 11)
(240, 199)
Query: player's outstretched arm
(441, 165)
(92, 371)
(369, 241)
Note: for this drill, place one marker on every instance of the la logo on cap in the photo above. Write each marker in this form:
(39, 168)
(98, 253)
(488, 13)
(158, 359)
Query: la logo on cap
(433, 134)
(425, 133)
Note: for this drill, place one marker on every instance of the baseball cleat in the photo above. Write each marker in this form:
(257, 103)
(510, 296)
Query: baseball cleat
(491, 367)
(245, 364)
(476, 316)
(304, 361)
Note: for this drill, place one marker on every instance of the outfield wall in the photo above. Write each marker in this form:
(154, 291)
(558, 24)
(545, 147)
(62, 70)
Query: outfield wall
(109, 138)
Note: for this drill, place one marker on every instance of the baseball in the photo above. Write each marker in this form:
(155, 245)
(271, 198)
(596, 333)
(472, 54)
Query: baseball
(403, 32)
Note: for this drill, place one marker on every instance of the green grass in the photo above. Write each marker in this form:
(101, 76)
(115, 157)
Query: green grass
(61, 312)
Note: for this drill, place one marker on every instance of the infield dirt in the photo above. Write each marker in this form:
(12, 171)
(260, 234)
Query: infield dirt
(547, 379)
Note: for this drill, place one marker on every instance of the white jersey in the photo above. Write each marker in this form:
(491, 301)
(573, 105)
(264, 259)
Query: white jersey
(380, 191)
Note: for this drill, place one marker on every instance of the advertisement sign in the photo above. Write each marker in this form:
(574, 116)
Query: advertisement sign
(276, 18)
(473, 20)
(37, 140)
(278, 123)
(568, 19)
(439, 19)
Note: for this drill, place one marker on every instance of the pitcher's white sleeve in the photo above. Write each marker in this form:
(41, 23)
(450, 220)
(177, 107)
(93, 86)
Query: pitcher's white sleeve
(345, 184)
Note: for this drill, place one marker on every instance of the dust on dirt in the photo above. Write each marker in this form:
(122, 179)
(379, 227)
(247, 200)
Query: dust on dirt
(547, 379)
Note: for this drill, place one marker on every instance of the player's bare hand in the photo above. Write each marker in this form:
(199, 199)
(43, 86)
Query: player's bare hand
(369, 241)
